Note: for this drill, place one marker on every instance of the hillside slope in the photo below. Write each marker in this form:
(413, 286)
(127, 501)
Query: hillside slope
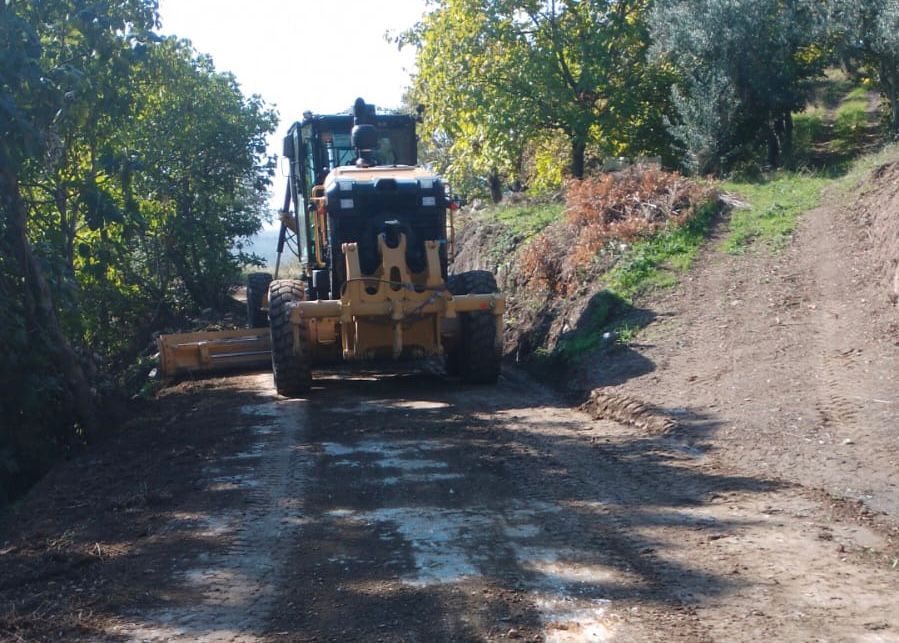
(786, 362)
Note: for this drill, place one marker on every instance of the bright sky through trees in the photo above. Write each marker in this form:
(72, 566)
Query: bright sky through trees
(300, 54)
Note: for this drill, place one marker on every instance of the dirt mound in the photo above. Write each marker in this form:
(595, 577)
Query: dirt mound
(877, 210)
(603, 405)
(485, 245)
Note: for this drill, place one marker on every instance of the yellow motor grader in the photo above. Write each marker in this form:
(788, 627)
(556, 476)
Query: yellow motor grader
(372, 233)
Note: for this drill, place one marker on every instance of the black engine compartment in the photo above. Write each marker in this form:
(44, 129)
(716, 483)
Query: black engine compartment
(360, 210)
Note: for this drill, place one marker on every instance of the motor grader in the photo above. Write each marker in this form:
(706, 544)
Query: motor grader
(372, 234)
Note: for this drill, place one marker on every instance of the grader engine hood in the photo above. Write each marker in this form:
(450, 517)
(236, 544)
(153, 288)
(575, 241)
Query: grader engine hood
(364, 202)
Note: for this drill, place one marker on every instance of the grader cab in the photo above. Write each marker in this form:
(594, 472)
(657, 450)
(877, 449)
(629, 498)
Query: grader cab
(372, 234)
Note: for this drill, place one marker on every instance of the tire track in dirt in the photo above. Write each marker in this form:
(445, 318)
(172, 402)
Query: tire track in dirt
(856, 369)
(414, 501)
(228, 596)
(406, 507)
(440, 513)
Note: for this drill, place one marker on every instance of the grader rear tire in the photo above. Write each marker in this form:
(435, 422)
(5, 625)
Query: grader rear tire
(477, 356)
(292, 372)
(257, 286)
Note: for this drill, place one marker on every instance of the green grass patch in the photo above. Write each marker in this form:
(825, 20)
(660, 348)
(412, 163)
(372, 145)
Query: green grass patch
(857, 95)
(773, 207)
(808, 129)
(851, 122)
(598, 318)
(835, 88)
(527, 220)
(774, 204)
(657, 262)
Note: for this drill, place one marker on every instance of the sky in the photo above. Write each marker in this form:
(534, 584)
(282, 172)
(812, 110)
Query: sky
(302, 54)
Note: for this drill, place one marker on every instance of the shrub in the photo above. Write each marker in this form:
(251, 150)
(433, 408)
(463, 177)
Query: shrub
(604, 212)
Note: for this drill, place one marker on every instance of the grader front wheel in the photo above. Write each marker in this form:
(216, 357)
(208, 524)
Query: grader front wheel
(476, 356)
(291, 368)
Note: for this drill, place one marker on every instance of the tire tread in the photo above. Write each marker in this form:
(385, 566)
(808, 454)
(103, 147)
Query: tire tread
(292, 373)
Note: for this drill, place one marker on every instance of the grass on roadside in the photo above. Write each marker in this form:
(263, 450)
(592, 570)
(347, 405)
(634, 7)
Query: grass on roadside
(774, 204)
(852, 121)
(657, 262)
(527, 220)
(653, 263)
(864, 164)
(772, 209)
(809, 128)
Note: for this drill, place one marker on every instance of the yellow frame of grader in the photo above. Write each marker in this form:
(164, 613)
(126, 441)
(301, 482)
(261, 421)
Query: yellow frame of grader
(390, 313)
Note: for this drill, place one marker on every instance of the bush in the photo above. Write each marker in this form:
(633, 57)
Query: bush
(603, 213)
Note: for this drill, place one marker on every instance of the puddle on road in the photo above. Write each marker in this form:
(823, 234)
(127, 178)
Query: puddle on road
(445, 543)
(452, 546)
(403, 455)
(417, 478)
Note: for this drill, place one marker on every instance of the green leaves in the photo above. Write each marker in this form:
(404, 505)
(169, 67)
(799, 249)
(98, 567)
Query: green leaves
(498, 76)
(142, 167)
(99, 206)
(868, 32)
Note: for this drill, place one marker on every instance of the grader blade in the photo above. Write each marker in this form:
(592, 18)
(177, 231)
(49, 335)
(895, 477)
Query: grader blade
(210, 351)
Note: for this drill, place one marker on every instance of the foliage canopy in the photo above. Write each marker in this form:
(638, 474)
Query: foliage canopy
(129, 172)
(502, 78)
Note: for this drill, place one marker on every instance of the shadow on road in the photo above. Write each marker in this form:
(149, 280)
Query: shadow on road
(413, 508)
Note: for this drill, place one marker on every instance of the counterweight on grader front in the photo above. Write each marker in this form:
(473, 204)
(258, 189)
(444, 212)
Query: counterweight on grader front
(372, 233)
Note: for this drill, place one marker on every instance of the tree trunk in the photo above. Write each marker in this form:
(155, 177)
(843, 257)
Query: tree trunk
(784, 130)
(788, 131)
(889, 79)
(38, 292)
(496, 186)
(773, 146)
(578, 150)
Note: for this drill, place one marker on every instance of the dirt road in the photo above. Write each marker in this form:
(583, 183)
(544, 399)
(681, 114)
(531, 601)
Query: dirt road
(406, 507)
(401, 508)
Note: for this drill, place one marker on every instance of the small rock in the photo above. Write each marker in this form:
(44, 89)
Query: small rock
(513, 634)
(848, 441)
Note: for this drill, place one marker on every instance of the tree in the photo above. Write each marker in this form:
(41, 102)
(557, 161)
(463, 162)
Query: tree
(41, 83)
(868, 30)
(202, 147)
(744, 67)
(130, 171)
(495, 75)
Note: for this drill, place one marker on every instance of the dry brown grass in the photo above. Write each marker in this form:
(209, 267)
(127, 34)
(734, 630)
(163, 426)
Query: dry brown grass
(604, 211)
